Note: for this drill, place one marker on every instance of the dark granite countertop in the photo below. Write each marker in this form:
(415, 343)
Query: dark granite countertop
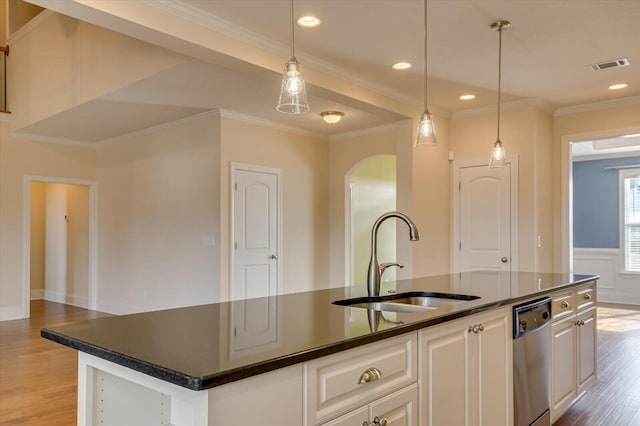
(201, 347)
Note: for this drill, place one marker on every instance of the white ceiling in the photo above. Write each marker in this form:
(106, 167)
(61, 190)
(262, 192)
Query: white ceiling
(546, 54)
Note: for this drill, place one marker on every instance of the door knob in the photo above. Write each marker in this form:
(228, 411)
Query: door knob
(504, 259)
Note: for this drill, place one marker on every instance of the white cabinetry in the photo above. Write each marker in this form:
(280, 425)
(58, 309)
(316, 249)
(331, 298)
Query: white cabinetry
(466, 371)
(397, 409)
(573, 346)
(358, 384)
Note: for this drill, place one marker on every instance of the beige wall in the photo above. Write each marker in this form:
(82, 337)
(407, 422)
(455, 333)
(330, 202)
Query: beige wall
(78, 244)
(17, 159)
(524, 132)
(432, 204)
(4, 22)
(69, 62)
(304, 161)
(20, 12)
(37, 237)
(606, 120)
(158, 209)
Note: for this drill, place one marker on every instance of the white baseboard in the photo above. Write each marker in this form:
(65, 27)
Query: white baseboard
(616, 297)
(37, 294)
(10, 313)
(68, 299)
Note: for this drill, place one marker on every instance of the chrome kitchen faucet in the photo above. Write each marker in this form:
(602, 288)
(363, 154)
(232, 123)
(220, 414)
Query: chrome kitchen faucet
(374, 274)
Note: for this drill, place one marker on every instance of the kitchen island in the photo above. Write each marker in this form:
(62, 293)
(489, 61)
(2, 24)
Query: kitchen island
(287, 359)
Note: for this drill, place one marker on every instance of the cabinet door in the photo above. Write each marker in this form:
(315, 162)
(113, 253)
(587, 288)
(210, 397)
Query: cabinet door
(563, 365)
(399, 409)
(586, 348)
(354, 418)
(445, 375)
(495, 369)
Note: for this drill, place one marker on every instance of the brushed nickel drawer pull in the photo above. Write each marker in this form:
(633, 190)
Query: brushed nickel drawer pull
(564, 304)
(370, 375)
(587, 296)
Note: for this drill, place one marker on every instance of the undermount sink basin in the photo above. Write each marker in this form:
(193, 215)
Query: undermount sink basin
(415, 301)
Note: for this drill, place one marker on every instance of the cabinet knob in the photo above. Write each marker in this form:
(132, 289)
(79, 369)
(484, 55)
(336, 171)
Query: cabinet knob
(481, 327)
(377, 421)
(587, 296)
(564, 304)
(580, 322)
(370, 375)
(504, 259)
(274, 256)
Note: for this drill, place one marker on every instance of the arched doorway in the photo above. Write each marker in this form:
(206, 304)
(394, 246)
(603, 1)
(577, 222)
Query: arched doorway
(370, 191)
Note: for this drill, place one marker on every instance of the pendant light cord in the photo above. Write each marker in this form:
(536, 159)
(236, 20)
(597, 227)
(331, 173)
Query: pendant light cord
(499, 74)
(291, 34)
(425, 55)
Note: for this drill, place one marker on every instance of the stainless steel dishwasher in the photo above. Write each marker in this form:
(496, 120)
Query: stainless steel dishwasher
(532, 363)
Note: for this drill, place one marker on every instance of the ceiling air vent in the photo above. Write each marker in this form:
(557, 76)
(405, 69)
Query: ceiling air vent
(616, 63)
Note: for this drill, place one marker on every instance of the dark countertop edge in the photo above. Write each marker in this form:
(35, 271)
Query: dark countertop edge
(250, 370)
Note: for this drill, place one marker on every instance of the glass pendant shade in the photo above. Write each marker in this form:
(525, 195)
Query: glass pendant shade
(426, 131)
(426, 135)
(498, 157)
(497, 154)
(293, 94)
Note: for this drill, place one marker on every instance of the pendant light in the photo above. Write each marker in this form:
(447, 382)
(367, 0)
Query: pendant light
(293, 94)
(497, 155)
(426, 132)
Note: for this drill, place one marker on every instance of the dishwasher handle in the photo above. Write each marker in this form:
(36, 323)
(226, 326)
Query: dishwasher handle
(531, 316)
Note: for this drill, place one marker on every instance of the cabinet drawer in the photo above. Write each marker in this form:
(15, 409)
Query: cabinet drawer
(586, 297)
(563, 304)
(332, 383)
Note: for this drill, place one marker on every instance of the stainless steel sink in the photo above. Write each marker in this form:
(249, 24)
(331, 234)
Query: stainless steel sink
(415, 301)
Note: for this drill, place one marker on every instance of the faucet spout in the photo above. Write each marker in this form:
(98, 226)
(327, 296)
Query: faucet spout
(374, 273)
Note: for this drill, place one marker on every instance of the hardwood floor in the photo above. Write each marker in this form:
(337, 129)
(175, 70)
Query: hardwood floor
(614, 399)
(38, 377)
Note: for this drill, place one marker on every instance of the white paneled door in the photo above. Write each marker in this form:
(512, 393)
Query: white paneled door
(255, 242)
(485, 218)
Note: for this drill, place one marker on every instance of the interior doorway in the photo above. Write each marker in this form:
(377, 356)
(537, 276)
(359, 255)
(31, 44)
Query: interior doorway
(485, 216)
(60, 241)
(371, 191)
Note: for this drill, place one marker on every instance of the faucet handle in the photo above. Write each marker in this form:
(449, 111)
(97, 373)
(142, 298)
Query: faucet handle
(383, 267)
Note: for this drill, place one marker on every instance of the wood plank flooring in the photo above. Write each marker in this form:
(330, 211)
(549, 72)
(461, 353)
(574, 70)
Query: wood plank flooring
(38, 377)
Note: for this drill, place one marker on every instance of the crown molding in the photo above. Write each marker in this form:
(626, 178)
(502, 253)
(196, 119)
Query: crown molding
(52, 139)
(364, 132)
(166, 125)
(185, 11)
(519, 104)
(597, 106)
(268, 124)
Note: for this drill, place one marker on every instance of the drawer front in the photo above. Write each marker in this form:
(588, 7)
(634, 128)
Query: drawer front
(333, 383)
(586, 297)
(563, 304)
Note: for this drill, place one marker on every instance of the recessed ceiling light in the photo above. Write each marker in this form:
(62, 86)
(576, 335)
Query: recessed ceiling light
(332, 117)
(309, 21)
(467, 97)
(618, 86)
(401, 66)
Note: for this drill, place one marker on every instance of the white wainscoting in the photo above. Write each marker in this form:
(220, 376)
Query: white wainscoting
(615, 285)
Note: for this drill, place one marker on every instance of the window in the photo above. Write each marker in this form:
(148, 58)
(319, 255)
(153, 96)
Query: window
(630, 180)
